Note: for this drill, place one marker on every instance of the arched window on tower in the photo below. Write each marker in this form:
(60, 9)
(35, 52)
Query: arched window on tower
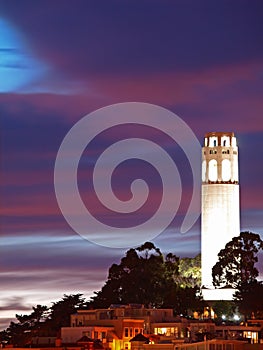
(213, 142)
(226, 170)
(225, 141)
(212, 170)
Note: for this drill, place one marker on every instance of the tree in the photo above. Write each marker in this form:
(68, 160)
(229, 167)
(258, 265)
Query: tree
(61, 311)
(20, 333)
(236, 263)
(189, 273)
(39, 314)
(144, 276)
(137, 279)
(4, 337)
(172, 266)
(224, 308)
(43, 321)
(183, 299)
(249, 299)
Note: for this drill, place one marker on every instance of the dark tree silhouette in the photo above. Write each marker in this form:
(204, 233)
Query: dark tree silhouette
(39, 314)
(20, 333)
(223, 308)
(236, 263)
(61, 310)
(137, 279)
(144, 276)
(249, 299)
(42, 321)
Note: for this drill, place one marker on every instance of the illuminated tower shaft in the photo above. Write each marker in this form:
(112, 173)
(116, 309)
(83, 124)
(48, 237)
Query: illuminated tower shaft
(220, 198)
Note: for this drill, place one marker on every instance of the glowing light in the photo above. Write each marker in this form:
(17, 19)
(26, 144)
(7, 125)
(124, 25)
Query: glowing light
(18, 68)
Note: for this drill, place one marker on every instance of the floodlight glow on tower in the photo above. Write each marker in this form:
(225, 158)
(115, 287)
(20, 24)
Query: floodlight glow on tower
(220, 198)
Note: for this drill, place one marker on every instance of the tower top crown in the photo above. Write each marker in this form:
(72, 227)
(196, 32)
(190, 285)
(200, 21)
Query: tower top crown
(219, 134)
(223, 139)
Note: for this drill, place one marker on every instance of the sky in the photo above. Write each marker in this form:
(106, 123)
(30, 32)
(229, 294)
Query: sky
(60, 61)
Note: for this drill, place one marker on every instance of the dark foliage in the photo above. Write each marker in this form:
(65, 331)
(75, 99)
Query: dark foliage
(236, 262)
(249, 299)
(144, 276)
(42, 321)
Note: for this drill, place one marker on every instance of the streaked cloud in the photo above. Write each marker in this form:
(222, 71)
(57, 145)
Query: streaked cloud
(13, 303)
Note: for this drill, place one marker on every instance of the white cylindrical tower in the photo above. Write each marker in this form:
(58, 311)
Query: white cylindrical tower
(220, 198)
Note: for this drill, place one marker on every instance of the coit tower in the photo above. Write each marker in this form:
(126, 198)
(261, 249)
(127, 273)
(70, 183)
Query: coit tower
(220, 198)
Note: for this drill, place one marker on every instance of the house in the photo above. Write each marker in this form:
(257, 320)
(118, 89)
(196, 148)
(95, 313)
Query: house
(116, 326)
(113, 333)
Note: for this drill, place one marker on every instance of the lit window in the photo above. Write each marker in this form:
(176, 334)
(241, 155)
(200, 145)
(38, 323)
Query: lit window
(162, 331)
